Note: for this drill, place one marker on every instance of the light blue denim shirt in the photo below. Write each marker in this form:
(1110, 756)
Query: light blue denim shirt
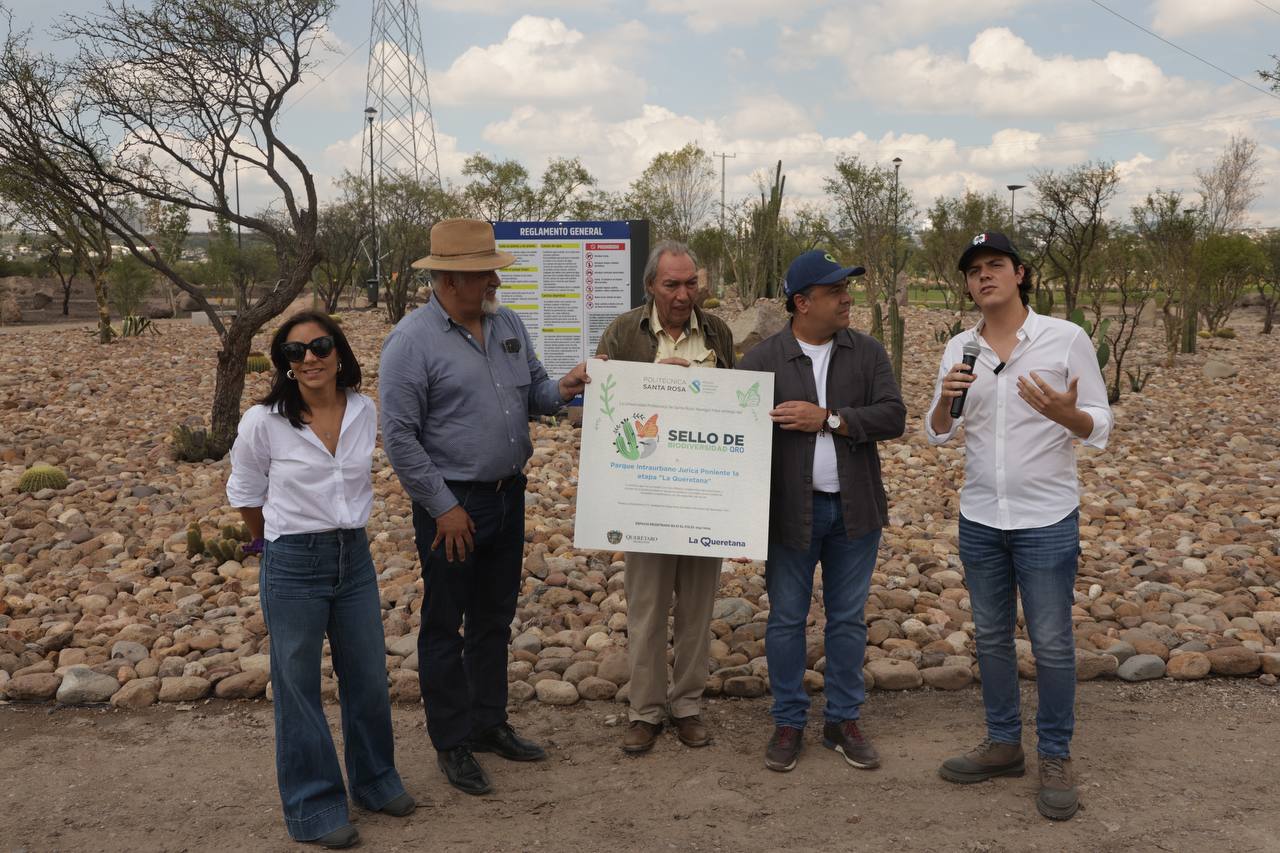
(453, 410)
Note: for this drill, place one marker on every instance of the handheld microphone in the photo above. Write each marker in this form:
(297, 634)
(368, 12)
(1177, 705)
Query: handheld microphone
(971, 352)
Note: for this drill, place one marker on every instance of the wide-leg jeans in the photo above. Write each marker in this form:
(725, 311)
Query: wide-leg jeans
(312, 585)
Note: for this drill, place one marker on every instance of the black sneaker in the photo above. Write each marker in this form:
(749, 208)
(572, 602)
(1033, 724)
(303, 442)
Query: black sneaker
(784, 749)
(845, 738)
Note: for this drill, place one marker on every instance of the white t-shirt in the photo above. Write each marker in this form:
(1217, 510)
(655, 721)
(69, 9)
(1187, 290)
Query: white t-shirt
(825, 476)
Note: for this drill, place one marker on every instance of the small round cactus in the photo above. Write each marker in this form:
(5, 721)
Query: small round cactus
(712, 302)
(39, 477)
(257, 363)
(337, 318)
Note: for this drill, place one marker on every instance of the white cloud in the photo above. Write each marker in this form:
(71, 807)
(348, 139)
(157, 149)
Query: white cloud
(852, 30)
(542, 59)
(512, 7)
(1003, 76)
(704, 16)
(1188, 17)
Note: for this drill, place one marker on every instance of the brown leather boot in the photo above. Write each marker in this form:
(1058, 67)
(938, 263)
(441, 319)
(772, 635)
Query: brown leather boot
(987, 761)
(691, 730)
(1058, 798)
(640, 736)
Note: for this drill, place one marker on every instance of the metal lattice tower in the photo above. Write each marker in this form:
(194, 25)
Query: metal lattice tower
(402, 137)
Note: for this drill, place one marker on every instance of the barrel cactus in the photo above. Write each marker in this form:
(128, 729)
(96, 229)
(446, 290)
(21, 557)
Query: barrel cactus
(711, 302)
(257, 363)
(222, 550)
(195, 541)
(39, 477)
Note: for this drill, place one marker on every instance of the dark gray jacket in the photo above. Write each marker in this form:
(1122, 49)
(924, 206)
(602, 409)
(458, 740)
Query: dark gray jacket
(861, 387)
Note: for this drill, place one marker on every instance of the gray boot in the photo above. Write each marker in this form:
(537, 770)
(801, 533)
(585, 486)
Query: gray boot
(987, 761)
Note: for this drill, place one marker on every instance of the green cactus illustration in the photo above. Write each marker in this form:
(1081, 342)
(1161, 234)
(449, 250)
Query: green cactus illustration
(626, 443)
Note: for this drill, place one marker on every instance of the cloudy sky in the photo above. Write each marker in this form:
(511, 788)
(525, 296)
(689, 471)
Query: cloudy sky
(974, 94)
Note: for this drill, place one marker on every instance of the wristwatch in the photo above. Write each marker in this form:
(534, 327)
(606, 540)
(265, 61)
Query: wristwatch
(833, 420)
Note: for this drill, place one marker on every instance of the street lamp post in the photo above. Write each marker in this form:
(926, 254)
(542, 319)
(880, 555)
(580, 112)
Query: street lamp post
(376, 282)
(1013, 216)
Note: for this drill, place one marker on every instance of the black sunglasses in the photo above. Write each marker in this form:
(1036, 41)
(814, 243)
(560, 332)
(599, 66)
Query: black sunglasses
(296, 351)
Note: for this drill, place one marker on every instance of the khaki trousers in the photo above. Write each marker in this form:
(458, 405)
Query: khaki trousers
(651, 580)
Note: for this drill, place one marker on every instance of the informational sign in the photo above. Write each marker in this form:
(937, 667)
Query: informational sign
(569, 281)
(675, 460)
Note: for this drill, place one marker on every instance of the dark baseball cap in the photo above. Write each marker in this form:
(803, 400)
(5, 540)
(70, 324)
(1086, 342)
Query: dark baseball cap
(816, 267)
(993, 240)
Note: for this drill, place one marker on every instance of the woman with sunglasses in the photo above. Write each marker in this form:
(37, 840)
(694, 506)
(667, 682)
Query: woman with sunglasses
(300, 477)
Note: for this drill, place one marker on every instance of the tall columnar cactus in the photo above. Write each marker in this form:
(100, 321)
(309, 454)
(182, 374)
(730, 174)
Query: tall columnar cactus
(1098, 336)
(877, 322)
(39, 477)
(257, 363)
(897, 329)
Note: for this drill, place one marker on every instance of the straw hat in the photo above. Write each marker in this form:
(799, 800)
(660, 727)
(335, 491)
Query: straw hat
(464, 245)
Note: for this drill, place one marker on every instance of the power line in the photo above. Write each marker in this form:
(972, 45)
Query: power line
(329, 74)
(1196, 57)
(1271, 9)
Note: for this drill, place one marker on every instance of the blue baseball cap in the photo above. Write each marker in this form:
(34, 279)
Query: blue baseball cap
(816, 267)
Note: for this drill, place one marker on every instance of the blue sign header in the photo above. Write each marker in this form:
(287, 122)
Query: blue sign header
(562, 230)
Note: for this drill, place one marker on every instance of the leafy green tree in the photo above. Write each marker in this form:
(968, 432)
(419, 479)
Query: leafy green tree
(499, 190)
(1170, 232)
(953, 221)
(1226, 265)
(1268, 283)
(406, 211)
(131, 284)
(169, 225)
(342, 236)
(1066, 223)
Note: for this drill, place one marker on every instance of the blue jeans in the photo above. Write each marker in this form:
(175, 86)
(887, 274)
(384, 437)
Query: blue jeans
(464, 676)
(1040, 565)
(846, 579)
(313, 584)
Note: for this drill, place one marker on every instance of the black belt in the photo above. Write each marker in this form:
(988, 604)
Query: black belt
(488, 485)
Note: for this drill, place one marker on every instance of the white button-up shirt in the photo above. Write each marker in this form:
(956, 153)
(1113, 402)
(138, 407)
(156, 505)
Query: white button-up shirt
(1020, 467)
(301, 487)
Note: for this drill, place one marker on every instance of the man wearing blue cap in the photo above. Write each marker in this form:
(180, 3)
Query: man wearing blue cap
(834, 398)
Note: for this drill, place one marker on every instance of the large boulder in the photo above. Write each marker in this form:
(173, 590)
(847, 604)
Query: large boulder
(758, 322)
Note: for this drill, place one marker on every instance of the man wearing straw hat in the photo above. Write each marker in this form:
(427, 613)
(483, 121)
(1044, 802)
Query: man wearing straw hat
(458, 381)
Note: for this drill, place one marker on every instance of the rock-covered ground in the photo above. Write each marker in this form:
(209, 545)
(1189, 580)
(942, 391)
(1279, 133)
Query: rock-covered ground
(100, 601)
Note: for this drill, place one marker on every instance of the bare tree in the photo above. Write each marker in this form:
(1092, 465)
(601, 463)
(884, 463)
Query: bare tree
(676, 192)
(1230, 187)
(160, 103)
(1067, 220)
